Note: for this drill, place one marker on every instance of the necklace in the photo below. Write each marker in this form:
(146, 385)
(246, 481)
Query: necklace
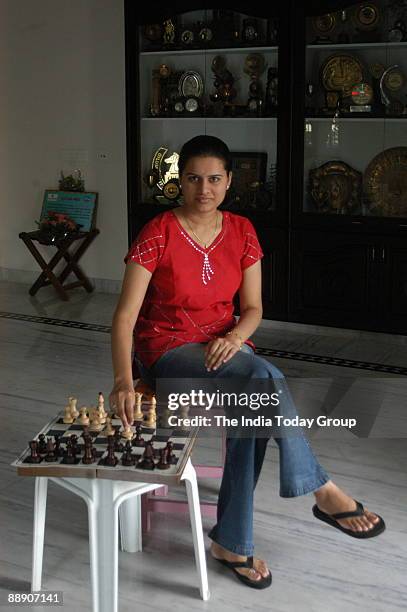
(198, 238)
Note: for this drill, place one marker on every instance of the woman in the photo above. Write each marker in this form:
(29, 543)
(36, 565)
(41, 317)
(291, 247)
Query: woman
(182, 273)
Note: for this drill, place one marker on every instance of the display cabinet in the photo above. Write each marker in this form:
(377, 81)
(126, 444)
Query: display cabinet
(312, 103)
(212, 72)
(349, 230)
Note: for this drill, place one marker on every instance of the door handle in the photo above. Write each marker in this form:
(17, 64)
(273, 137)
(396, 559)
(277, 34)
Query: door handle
(373, 253)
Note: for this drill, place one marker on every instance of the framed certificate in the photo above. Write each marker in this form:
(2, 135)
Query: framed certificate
(80, 206)
(249, 169)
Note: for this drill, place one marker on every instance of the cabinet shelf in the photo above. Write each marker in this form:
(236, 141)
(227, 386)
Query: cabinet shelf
(358, 119)
(187, 51)
(209, 118)
(367, 45)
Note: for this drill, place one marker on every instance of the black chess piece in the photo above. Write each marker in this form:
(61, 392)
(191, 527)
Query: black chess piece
(171, 457)
(147, 461)
(138, 440)
(88, 456)
(42, 445)
(34, 457)
(69, 457)
(51, 456)
(59, 451)
(74, 442)
(110, 458)
(128, 458)
(118, 446)
(163, 463)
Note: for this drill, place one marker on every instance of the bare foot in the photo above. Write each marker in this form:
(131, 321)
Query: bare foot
(331, 499)
(254, 573)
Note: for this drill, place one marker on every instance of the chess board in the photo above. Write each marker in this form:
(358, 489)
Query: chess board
(182, 440)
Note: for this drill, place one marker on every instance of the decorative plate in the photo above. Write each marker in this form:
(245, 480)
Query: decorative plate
(385, 183)
(190, 84)
(340, 72)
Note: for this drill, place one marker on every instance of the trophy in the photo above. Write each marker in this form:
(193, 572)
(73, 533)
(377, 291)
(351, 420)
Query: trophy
(398, 31)
(163, 178)
(393, 106)
(271, 101)
(225, 93)
(310, 93)
(343, 36)
(324, 25)
(254, 66)
(362, 96)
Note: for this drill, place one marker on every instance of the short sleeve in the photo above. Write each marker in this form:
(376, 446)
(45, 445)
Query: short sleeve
(147, 249)
(252, 250)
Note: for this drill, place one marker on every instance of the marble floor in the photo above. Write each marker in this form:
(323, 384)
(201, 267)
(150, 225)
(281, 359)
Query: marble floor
(315, 568)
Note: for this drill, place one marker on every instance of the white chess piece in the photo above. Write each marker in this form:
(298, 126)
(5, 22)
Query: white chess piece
(72, 403)
(67, 415)
(127, 433)
(138, 414)
(109, 429)
(95, 424)
(151, 414)
(83, 418)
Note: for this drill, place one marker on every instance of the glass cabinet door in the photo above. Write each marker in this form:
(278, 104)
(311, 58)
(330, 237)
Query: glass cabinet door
(355, 130)
(209, 72)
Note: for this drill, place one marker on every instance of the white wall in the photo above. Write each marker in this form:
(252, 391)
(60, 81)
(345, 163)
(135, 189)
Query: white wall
(62, 88)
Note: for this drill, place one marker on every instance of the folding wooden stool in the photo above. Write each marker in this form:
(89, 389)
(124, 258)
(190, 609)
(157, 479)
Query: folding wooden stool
(63, 252)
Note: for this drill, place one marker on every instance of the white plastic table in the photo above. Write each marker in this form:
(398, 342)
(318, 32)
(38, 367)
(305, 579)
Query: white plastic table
(113, 503)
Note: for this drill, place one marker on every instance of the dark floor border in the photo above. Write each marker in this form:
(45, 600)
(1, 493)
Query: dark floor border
(265, 352)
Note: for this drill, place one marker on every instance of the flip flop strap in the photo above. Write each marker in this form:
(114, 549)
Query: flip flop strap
(343, 515)
(239, 564)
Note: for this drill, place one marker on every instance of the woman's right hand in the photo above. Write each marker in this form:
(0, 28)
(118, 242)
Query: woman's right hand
(122, 402)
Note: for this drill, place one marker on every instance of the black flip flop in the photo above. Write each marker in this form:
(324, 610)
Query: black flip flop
(332, 519)
(263, 583)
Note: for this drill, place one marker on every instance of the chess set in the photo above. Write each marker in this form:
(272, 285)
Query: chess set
(91, 443)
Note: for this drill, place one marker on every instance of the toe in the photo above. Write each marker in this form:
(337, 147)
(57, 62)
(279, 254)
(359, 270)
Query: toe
(251, 573)
(261, 567)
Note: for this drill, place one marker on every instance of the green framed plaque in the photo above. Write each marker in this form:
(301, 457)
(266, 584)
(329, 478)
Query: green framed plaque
(80, 206)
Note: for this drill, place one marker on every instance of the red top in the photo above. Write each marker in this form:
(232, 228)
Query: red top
(190, 294)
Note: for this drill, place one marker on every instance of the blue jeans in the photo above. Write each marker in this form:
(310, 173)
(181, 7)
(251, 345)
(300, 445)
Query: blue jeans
(300, 472)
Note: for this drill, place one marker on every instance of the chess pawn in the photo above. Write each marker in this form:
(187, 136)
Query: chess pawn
(68, 419)
(138, 414)
(50, 451)
(95, 424)
(163, 463)
(109, 429)
(127, 433)
(74, 411)
(83, 419)
(34, 457)
(151, 417)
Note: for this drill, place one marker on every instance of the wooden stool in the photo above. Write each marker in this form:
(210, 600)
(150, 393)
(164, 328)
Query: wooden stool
(63, 252)
(157, 500)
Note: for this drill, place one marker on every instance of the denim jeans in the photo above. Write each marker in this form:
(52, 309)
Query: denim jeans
(300, 472)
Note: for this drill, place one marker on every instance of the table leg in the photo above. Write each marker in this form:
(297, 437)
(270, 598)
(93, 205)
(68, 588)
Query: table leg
(103, 543)
(40, 507)
(130, 525)
(189, 476)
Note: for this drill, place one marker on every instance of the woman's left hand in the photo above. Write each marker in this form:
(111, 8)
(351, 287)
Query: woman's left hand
(219, 351)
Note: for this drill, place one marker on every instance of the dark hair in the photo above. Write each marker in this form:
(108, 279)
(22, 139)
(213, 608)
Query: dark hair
(204, 146)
